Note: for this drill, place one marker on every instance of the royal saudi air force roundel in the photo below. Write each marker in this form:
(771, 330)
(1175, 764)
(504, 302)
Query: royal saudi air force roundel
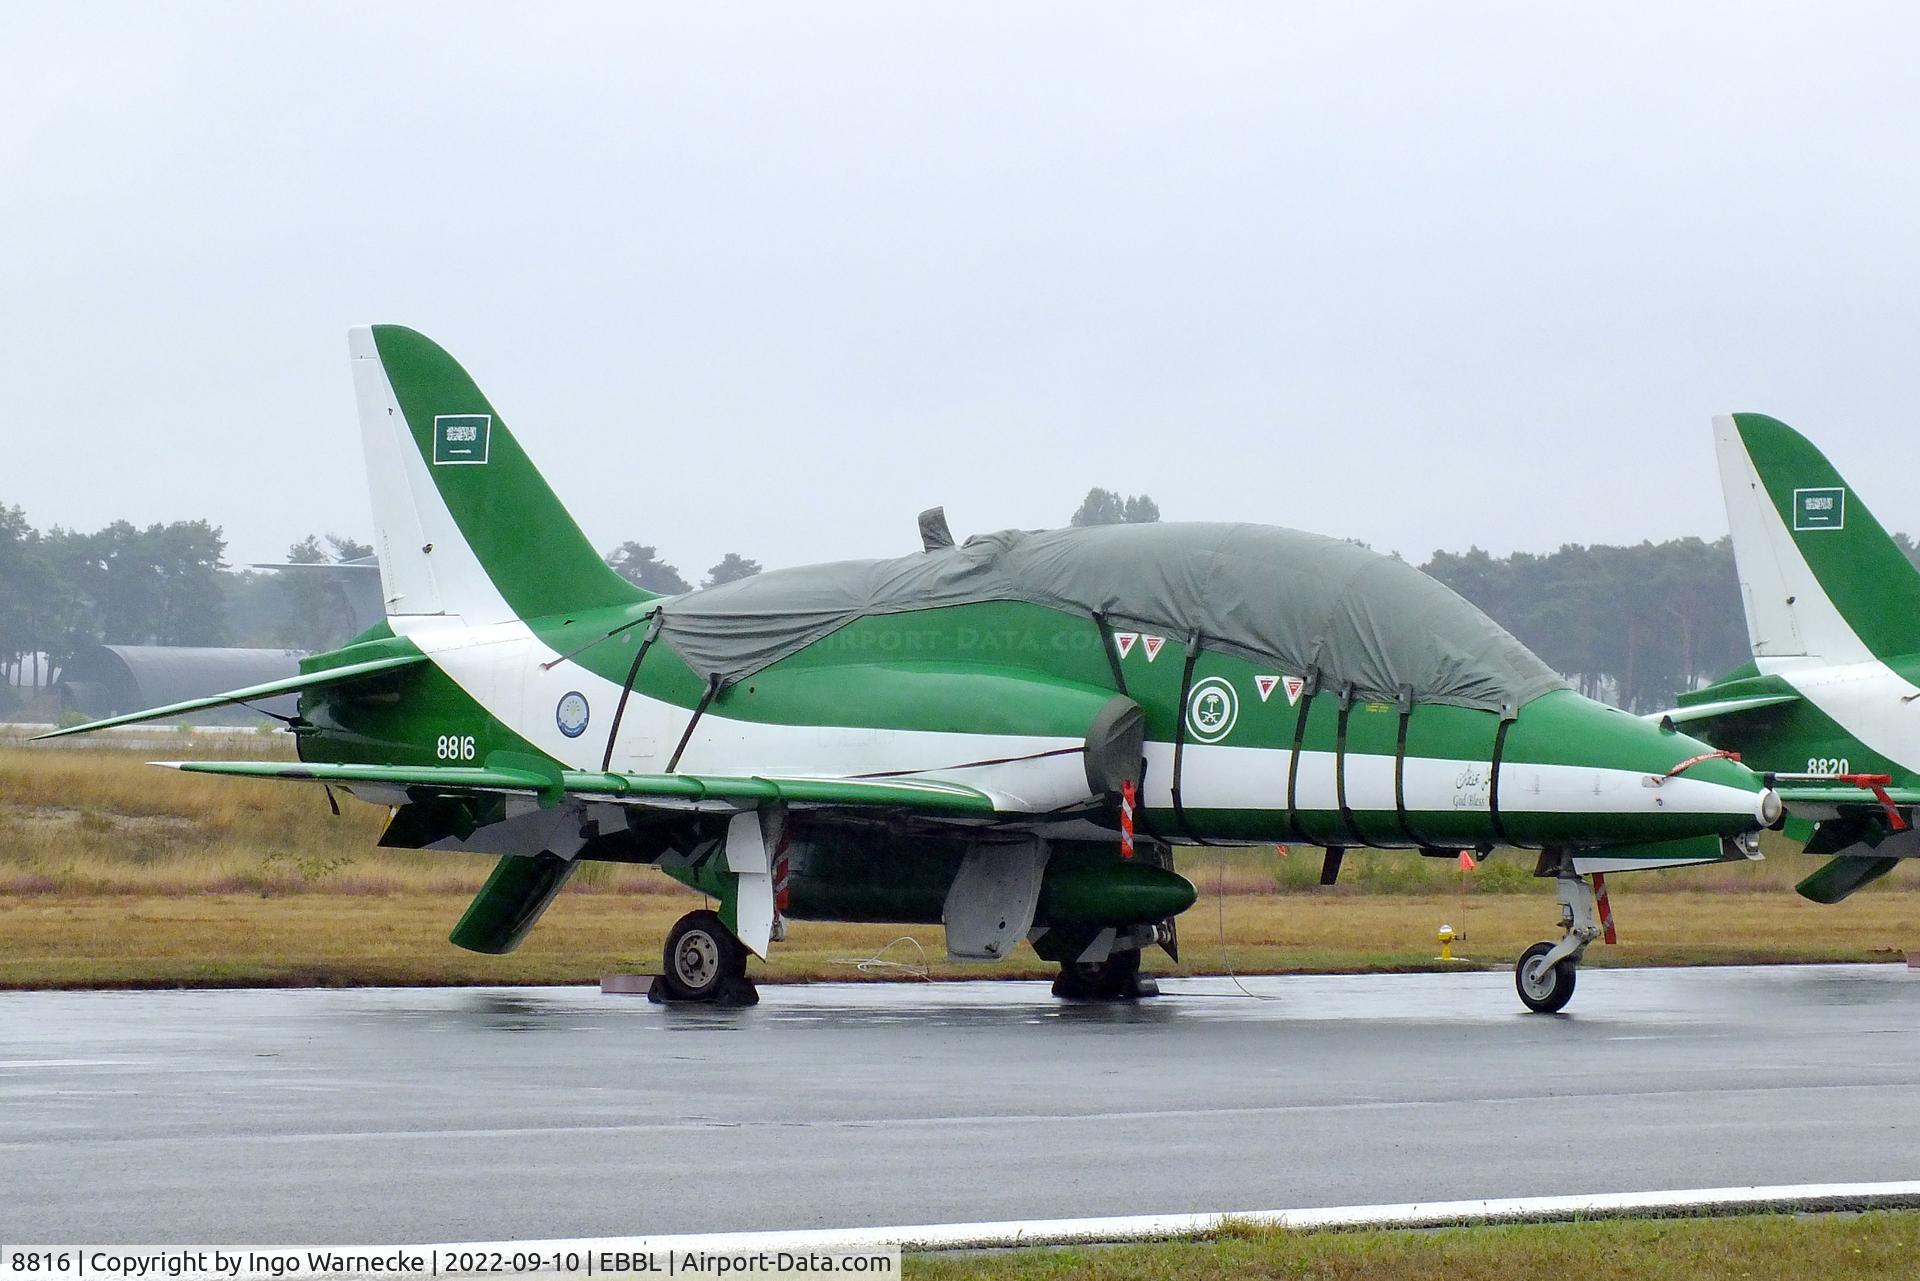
(1211, 710)
(571, 714)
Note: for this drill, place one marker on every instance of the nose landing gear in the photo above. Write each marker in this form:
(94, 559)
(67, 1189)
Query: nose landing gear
(1545, 974)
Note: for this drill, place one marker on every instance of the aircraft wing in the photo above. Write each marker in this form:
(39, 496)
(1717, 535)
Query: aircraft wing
(252, 693)
(690, 792)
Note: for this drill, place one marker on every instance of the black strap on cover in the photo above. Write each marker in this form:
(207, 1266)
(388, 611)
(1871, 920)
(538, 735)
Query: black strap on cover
(1307, 691)
(1113, 654)
(1349, 830)
(1180, 740)
(1400, 771)
(620, 708)
(713, 687)
(1493, 776)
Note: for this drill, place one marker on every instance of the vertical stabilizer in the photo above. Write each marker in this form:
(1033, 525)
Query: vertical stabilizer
(1818, 574)
(464, 522)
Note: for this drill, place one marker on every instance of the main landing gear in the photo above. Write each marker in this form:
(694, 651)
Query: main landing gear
(1545, 974)
(1117, 978)
(703, 961)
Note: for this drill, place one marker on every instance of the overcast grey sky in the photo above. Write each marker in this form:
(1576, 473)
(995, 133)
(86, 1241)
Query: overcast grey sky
(771, 279)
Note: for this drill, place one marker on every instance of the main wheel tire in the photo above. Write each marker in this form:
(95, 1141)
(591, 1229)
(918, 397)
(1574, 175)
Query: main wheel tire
(1114, 978)
(1544, 989)
(701, 958)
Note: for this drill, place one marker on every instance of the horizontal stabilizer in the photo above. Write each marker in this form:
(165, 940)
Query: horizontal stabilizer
(452, 778)
(1839, 877)
(252, 693)
(1719, 708)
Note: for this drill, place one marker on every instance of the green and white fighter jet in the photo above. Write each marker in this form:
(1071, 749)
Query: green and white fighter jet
(1830, 704)
(1004, 736)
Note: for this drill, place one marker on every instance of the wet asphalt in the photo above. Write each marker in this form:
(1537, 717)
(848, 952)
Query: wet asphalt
(440, 1115)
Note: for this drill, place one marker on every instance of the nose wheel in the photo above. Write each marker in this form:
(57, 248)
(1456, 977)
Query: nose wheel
(703, 961)
(1545, 986)
(1544, 976)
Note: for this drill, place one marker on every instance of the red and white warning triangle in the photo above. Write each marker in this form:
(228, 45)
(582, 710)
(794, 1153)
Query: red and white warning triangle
(1152, 645)
(1265, 685)
(1124, 642)
(1294, 685)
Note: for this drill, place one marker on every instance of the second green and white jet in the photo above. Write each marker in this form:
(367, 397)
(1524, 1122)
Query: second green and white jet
(1829, 706)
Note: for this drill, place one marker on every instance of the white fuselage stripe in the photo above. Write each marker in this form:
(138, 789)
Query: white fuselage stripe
(500, 667)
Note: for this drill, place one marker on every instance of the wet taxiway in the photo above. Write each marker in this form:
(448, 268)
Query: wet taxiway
(418, 1115)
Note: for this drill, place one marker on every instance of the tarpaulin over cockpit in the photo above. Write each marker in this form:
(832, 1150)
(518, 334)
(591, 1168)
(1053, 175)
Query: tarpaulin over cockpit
(1301, 602)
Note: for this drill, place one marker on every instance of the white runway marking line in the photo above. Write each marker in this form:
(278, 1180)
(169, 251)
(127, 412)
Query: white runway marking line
(1165, 1227)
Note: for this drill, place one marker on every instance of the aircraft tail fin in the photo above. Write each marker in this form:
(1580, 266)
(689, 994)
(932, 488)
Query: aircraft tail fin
(464, 522)
(1818, 574)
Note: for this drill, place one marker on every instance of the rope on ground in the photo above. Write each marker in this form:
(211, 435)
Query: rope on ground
(879, 961)
(1220, 915)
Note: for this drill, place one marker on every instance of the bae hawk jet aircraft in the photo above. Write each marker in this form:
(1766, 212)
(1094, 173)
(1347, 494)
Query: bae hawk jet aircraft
(1830, 704)
(1004, 736)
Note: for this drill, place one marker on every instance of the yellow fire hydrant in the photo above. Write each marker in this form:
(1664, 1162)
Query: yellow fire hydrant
(1447, 936)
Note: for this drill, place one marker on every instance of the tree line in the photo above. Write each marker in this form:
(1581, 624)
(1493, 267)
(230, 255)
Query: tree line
(1631, 625)
(161, 585)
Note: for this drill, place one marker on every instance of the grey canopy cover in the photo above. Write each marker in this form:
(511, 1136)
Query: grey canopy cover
(1299, 602)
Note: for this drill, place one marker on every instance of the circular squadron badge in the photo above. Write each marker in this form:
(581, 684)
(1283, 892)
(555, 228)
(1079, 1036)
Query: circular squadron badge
(1211, 710)
(571, 714)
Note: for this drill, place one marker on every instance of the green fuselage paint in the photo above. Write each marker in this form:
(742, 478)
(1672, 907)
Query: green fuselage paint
(1000, 696)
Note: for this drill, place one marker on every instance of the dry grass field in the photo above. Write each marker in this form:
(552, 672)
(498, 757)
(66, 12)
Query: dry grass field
(113, 873)
(1767, 1248)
